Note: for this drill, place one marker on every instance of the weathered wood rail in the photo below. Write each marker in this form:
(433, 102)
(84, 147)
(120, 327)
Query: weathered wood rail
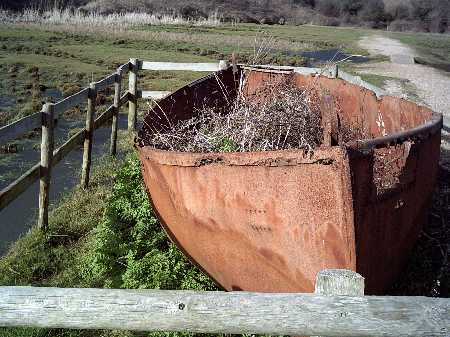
(337, 309)
(44, 120)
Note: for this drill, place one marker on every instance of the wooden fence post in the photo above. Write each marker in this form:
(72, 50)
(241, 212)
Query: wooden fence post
(88, 136)
(339, 282)
(335, 71)
(223, 64)
(47, 145)
(117, 90)
(132, 88)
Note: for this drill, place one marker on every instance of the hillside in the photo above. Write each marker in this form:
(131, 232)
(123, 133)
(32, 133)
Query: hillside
(408, 15)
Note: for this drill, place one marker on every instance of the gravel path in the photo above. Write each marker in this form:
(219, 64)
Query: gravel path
(430, 87)
(380, 45)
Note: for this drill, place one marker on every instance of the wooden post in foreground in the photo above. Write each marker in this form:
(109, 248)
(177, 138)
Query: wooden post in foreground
(47, 145)
(132, 88)
(339, 282)
(88, 136)
(117, 90)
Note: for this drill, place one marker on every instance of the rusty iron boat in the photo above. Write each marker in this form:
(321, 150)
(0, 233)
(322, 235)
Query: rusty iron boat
(269, 221)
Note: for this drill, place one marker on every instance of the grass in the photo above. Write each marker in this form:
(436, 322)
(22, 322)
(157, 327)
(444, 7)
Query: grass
(376, 80)
(60, 16)
(71, 54)
(66, 59)
(28, 263)
(433, 48)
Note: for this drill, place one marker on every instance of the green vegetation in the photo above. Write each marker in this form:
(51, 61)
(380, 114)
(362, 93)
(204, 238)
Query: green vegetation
(67, 58)
(68, 62)
(376, 80)
(129, 249)
(434, 49)
(107, 236)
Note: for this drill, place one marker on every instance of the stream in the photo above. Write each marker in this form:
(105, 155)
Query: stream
(318, 57)
(17, 218)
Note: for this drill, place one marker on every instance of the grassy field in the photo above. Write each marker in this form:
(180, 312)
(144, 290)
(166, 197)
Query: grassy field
(96, 236)
(433, 48)
(68, 57)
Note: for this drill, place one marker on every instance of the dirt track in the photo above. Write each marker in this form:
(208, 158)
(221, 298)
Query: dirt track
(425, 85)
(431, 85)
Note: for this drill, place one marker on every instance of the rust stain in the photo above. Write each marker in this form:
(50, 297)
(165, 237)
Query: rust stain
(270, 221)
(275, 258)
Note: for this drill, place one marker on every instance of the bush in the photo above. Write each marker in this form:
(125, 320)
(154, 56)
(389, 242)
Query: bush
(352, 7)
(130, 249)
(240, 18)
(329, 7)
(373, 11)
(269, 20)
(399, 11)
(192, 13)
(407, 25)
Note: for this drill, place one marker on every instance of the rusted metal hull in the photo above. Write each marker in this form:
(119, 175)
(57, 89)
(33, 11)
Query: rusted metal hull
(270, 221)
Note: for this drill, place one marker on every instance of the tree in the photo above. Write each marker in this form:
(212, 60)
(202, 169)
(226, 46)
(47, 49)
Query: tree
(421, 9)
(351, 7)
(308, 3)
(373, 11)
(329, 7)
(400, 12)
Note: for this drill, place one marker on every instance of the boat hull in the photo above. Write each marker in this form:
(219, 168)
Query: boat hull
(260, 222)
(270, 221)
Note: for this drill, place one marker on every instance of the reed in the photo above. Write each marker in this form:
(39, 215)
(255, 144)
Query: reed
(67, 16)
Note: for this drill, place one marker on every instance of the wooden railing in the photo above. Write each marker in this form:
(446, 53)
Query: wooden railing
(338, 308)
(45, 120)
(50, 112)
(50, 156)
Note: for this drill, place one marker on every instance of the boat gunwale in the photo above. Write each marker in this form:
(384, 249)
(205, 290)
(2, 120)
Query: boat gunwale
(420, 132)
(294, 157)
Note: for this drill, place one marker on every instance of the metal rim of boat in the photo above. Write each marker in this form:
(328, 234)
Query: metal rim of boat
(420, 132)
